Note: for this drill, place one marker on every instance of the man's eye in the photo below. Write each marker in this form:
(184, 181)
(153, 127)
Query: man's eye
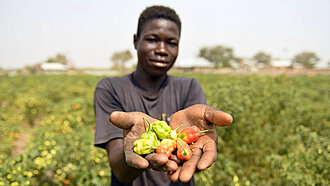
(173, 43)
(151, 39)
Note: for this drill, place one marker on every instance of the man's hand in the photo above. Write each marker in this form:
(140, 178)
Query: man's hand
(205, 148)
(134, 126)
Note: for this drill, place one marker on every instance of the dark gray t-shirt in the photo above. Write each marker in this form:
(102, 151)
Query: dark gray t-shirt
(125, 94)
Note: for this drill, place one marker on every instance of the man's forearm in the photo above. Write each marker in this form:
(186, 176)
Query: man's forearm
(119, 167)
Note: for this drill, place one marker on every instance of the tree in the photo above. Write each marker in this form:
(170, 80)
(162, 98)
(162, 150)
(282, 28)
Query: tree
(307, 59)
(219, 55)
(120, 58)
(262, 58)
(59, 58)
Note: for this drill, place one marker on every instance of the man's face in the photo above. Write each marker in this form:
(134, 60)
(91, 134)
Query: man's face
(158, 46)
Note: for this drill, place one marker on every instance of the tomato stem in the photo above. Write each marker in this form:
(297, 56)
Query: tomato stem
(202, 131)
(185, 153)
(178, 127)
(147, 122)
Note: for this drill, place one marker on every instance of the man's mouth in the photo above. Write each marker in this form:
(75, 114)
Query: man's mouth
(159, 63)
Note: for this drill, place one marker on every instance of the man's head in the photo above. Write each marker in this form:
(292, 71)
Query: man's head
(156, 12)
(157, 40)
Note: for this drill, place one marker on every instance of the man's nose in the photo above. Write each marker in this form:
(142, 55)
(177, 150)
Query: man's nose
(161, 49)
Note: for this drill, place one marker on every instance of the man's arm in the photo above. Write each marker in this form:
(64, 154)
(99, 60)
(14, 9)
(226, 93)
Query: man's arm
(108, 136)
(117, 160)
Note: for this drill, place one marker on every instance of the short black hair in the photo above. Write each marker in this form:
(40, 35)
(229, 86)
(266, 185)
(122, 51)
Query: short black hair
(156, 12)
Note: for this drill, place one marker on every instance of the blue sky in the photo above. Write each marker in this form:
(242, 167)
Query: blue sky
(89, 32)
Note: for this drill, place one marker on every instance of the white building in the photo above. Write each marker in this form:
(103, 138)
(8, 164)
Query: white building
(53, 67)
(193, 62)
(281, 63)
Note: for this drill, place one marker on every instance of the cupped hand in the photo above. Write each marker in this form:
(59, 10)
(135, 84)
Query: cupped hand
(134, 126)
(205, 148)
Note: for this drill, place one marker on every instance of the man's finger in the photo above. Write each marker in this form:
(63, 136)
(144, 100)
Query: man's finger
(189, 167)
(123, 120)
(136, 161)
(217, 117)
(171, 165)
(133, 159)
(174, 175)
(156, 160)
(175, 158)
(208, 157)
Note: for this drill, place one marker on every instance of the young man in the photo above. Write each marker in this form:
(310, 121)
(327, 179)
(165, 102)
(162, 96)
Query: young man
(149, 92)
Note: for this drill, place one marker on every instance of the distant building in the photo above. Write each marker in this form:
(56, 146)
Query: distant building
(53, 67)
(246, 64)
(193, 62)
(281, 63)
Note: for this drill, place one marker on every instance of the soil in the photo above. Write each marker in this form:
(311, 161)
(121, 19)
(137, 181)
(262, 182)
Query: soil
(21, 141)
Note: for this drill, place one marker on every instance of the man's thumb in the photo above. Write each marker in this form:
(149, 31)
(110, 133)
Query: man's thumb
(217, 117)
(123, 120)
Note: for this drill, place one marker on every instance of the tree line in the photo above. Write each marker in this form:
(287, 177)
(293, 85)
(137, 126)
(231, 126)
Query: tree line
(222, 57)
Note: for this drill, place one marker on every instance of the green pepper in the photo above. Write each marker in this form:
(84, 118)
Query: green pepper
(162, 129)
(144, 146)
(149, 134)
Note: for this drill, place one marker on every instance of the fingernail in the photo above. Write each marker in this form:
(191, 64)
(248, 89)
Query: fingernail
(231, 118)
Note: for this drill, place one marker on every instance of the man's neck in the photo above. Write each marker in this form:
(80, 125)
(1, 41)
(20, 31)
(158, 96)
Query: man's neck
(150, 83)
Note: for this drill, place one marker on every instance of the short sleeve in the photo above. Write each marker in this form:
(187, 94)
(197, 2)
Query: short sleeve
(195, 94)
(105, 102)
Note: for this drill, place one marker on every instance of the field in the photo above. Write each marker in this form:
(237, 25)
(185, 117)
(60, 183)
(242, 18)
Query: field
(280, 134)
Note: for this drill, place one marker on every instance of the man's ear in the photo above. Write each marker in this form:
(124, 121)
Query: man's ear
(135, 40)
